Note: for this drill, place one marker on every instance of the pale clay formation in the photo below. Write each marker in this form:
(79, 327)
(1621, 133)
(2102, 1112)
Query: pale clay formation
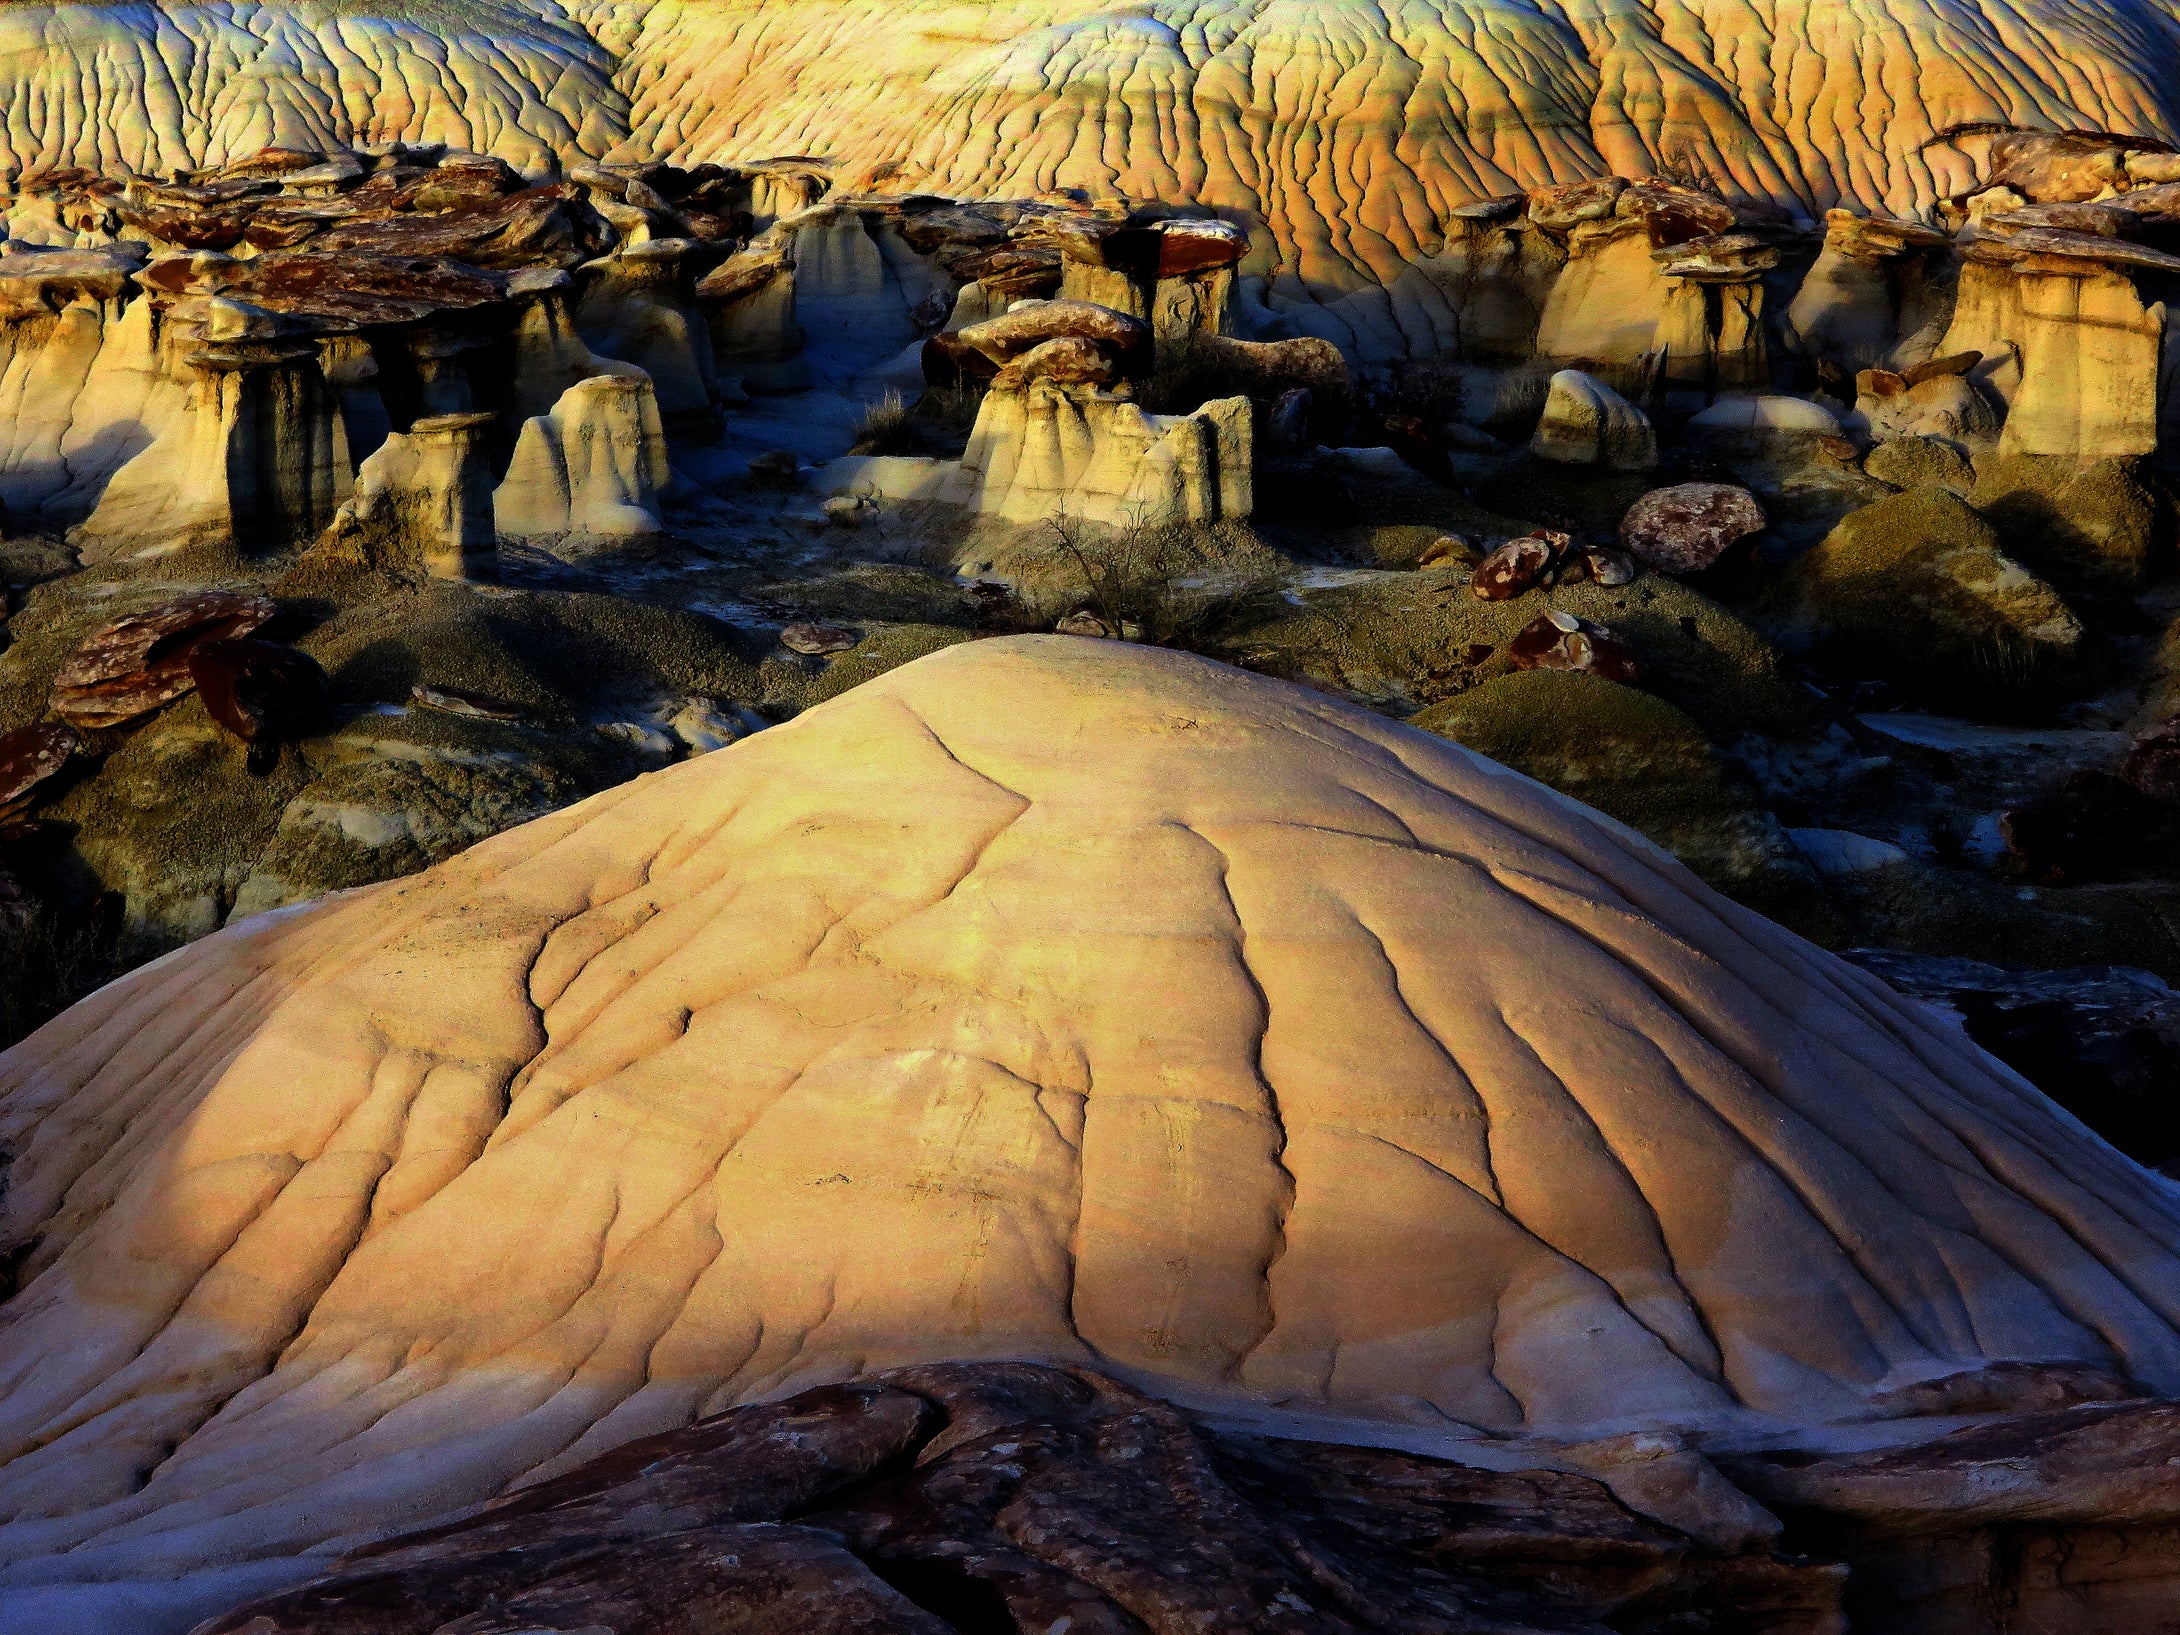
(1045, 998)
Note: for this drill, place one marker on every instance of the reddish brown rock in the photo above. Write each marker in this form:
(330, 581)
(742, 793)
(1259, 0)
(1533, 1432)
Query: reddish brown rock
(30, 758)
(1190, 246)
(814, 640)
(2153, 763)
(1600, 564)
(259, 691)
(1072, 360)
(1686, 528)
(1958, 362)
(1561, 207)
(1032, 323)
(1517, 566)
(1672, 214)
(533, 228)
(334, 294)
(1014, 1499)
(141, 660)
(1561, 641)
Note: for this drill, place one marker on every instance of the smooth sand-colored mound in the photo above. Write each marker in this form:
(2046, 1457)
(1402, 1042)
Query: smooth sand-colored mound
(1046, 997)
(1347, 127)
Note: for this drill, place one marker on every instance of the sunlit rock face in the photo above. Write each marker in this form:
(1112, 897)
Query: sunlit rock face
(1047, 998)
(1348, 129)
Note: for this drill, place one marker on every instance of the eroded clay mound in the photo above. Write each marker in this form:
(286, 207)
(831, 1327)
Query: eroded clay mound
(1349, 127)
(1045, 998)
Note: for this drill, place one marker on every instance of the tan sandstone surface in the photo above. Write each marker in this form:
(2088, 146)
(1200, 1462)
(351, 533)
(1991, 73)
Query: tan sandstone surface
(1046, 998)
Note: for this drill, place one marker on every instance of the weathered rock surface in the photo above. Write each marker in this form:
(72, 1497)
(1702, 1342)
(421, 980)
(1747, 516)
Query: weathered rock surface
(1012, 1497)
(828, 1052)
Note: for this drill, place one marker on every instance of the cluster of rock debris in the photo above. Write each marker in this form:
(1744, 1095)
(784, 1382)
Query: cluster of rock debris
(1010, 1497)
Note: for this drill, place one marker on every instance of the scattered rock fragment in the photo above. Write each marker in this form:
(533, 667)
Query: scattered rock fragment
(140, 661)
(30, 758)
(260, 691)
(814, 640)
(456, 701)
(1564, 641)
(1517, 566)
(1688, 527)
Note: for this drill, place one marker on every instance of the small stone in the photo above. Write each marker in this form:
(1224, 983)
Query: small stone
(1839, 448)
(704, 724)
(849, 510)
(1082, 622)
(1880, 383)
(814, 640)
(456, 701)
(1686, 528)
(1561, 641)
(1517, 566)
(1448, 549)
(30, 757)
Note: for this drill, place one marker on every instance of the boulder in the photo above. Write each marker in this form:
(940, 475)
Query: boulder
(1587, 423)
(31, 758)
(1918, 585)
(1688, 527)
(140, 661)
(591, 469)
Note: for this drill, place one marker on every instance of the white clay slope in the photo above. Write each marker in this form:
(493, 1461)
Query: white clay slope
(1046, 997)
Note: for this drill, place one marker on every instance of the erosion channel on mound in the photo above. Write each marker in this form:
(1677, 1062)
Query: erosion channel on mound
(1048, 999)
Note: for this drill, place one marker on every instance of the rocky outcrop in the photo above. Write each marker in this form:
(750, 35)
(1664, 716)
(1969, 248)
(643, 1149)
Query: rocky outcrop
(1046, 448)
(1031, 1496)
(423, 502)
(593, 468)
(1919, 585)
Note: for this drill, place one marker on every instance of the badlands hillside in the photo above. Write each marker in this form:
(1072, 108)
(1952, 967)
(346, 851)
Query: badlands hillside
(1196, 817)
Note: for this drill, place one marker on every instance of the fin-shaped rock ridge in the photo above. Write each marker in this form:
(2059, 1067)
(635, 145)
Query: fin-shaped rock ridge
(1046, 998)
